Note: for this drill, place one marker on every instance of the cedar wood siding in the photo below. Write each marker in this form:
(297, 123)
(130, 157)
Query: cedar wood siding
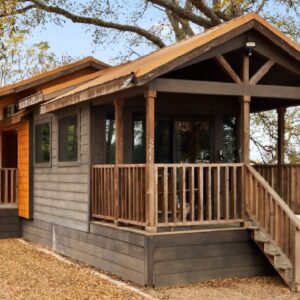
(23, 130)
(61, 191)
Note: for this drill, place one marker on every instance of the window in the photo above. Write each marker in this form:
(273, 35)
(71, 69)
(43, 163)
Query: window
(139, 151)
(110, 139)
(192, 141)
(42, 143)
(230, 139)
(68, 138)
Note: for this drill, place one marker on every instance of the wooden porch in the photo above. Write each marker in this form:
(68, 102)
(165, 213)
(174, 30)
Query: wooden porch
(203, 195)
(8, 186)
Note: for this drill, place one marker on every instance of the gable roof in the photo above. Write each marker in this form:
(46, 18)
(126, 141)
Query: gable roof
(46, 76)
(138, 72)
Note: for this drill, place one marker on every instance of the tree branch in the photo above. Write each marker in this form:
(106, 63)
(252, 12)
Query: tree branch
(97, 22)
(209, 12)
(261, 6)
(182, 13)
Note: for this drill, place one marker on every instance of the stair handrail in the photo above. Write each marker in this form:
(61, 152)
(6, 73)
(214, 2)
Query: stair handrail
(275, 196)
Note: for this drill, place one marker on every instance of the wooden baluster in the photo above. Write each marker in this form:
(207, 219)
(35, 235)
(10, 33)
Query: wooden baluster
(192, 193)
(226, 191)
(233, 193)
(165, 194)
(138, 194)
(217, 193)
(6, 186)
(267, 211)
(208, 192)
(183, 186)
(296, 260)
(174, 190)
(200, 194)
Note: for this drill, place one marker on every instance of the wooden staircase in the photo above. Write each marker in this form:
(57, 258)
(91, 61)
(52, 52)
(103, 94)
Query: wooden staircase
(274, 227)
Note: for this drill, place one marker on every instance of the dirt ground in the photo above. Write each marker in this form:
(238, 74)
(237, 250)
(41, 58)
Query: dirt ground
(27, 273)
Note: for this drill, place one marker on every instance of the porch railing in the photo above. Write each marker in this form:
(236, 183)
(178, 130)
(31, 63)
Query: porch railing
(185, 194)
(119, 193)
(285, 180)
(195, 194)
(8, 186)
(274, 216)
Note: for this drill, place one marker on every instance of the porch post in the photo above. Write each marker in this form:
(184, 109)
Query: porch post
(119, 153)
(280, 146)
(280, 136)
(150, 96)
(245, 116)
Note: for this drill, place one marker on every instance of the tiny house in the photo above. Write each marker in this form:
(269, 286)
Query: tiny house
(143, 169)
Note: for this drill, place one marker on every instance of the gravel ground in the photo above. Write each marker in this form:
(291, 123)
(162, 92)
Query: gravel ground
(254, 288)
(26, 273)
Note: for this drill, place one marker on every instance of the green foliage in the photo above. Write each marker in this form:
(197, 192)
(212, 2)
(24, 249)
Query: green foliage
(19, 60)
(264, 136)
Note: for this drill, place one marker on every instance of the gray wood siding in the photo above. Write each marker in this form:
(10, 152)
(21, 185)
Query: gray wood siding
(155, 259)
(113, 250)
(61, 191)
(192, 257)
(10, 225)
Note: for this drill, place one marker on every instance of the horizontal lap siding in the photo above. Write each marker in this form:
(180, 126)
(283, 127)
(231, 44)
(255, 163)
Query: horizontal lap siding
(120, 253)
(61, 193)
(188, 258)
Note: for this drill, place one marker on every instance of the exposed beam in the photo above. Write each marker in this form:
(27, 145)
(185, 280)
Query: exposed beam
(262, 72)
(224, 88)
(227, 68)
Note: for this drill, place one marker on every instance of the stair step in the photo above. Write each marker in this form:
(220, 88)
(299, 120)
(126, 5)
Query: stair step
(260, 236)
(271, 249)
(280, 262)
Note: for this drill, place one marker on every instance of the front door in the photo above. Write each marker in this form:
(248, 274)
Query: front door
(9, 149)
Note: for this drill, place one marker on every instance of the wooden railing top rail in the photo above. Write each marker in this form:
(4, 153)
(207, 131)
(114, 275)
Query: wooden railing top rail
(276, 165)
(118, 165)
(178, 165)
(275, 196)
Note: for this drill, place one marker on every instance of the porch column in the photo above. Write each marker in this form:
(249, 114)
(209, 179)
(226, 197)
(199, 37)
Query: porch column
(118, 104)
(150, 96)
(245, 116)
(280, 146)
(280, 135)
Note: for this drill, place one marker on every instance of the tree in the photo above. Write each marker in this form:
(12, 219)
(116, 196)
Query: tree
(19, 60)
(145, 23)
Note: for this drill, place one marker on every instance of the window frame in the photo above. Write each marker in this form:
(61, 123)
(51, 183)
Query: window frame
(47, 120)
(66, 163)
